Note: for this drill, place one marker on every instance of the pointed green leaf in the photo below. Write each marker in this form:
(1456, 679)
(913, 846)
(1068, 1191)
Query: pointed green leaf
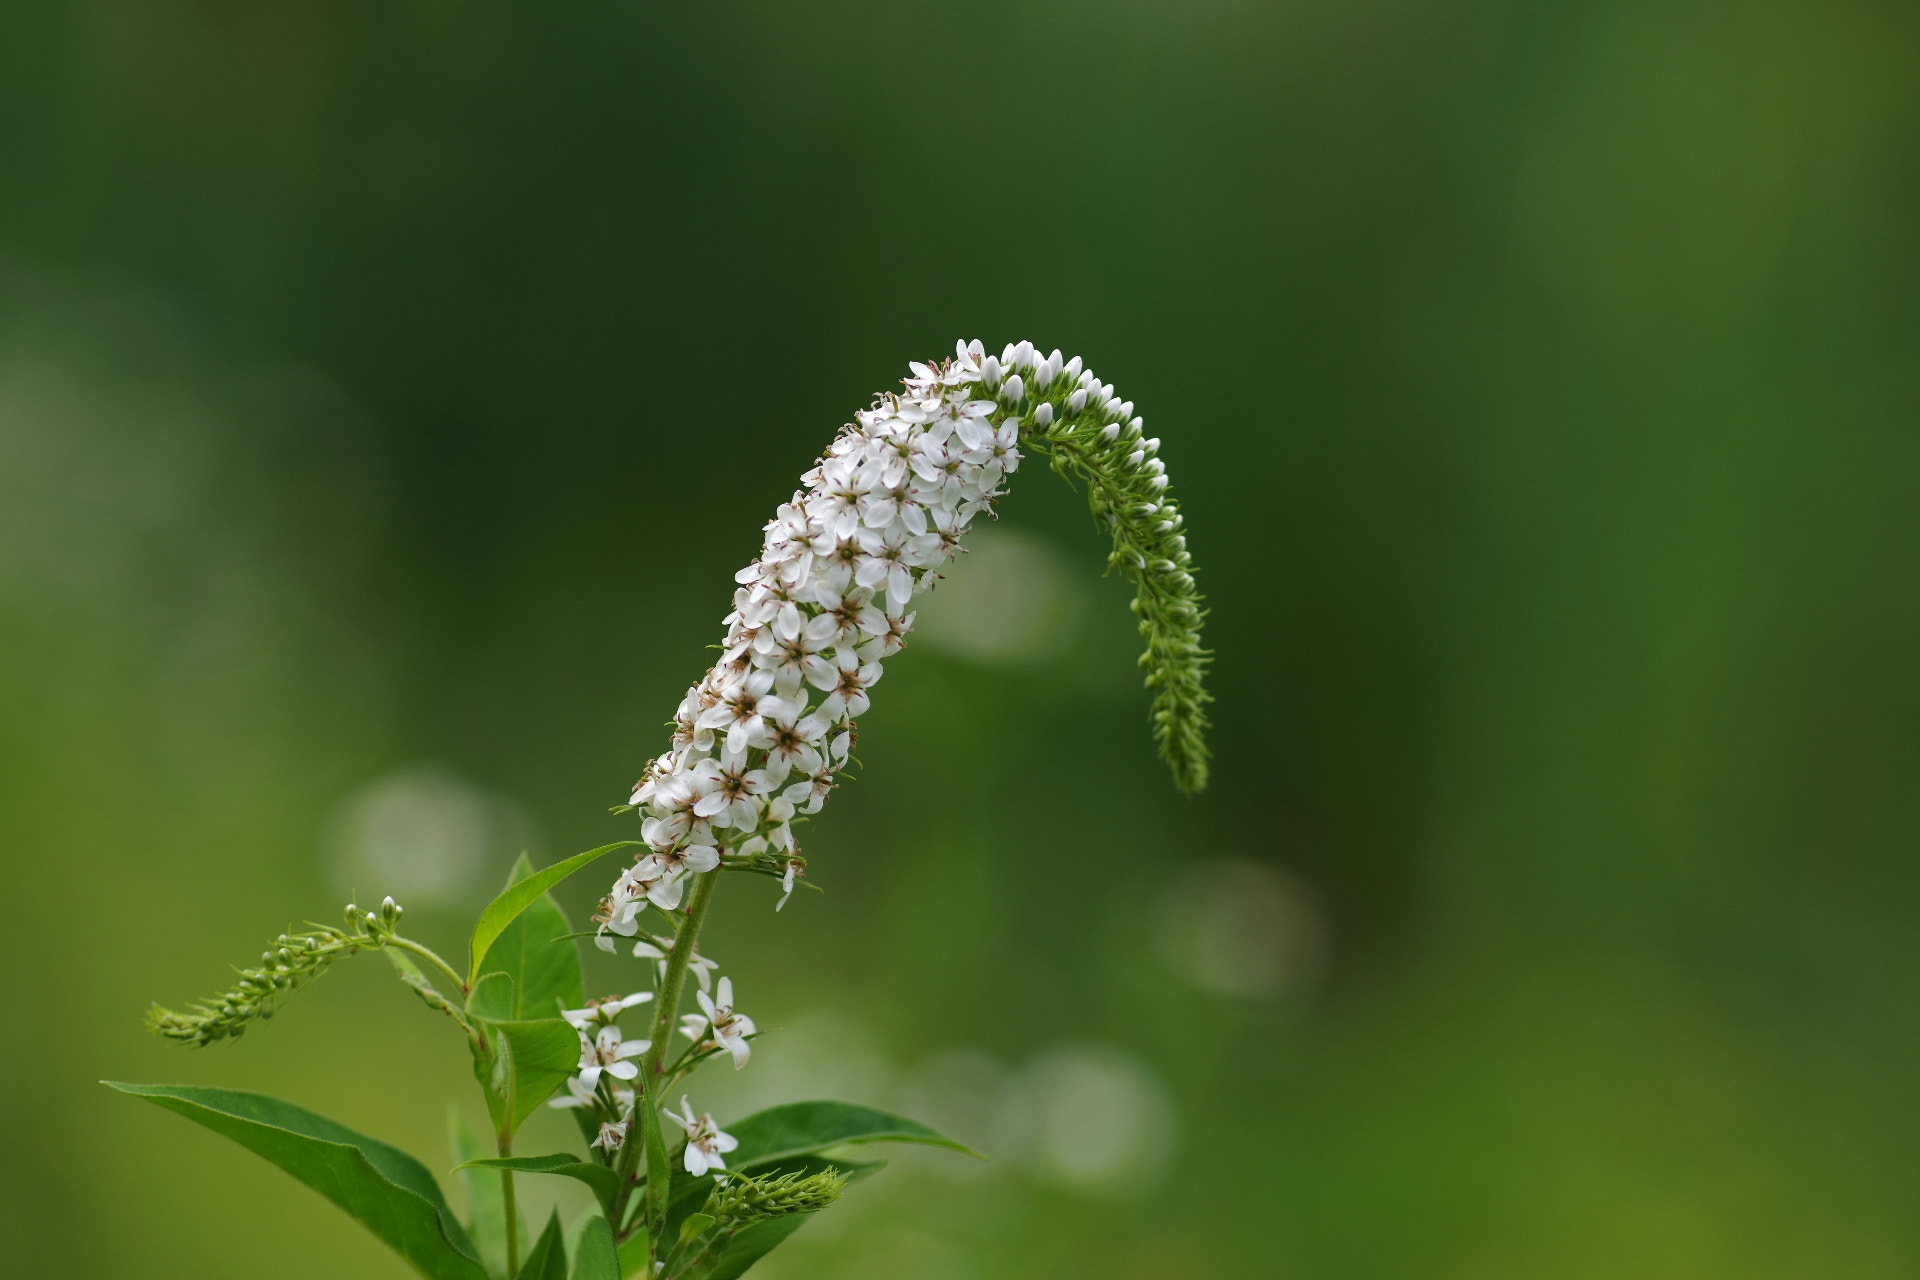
(548, 1260)
(543, 1054)
(486, 1204)
(604, 1181)
(748, 1247)
(633, 1254)
(520, 895)
(595, 1256)
(659, 1172)
(801, 1128)
(493, 1068)
(494, 998)
(390, 1192)
(537, 952)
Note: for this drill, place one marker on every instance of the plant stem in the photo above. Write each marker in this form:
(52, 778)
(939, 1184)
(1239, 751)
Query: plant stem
(512, 1207)
(666, 1011)
(425, 953)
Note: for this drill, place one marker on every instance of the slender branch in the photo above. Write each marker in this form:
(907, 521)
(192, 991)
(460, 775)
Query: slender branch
(427, 954)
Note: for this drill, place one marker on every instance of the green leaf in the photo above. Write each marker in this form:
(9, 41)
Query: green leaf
(633, 1254)
(543, 1054)
(803, 1128)
(493, 1068)
(595, 1256)
(535, 950)
(486, 1204)
(604, 1181)
(520, 895)
(693, 1226)
(751, 1245)
(659, 1172)
(494, 998)
(548, 1261)
(390, 1192)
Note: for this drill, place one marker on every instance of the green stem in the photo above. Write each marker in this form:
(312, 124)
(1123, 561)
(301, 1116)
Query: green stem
(512, 1207)
(666, 1013)
(425, 953)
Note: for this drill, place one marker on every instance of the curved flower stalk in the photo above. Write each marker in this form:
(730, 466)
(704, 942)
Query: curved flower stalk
(764, 737)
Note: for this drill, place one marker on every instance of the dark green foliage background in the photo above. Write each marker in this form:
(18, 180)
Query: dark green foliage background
(1540, 381)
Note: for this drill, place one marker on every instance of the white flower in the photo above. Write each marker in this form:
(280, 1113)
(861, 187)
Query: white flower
(703, 970)
(605, 1011)
(790, 658)
(691, 858)
(811, 792)
(846, 685)
(706, 1145)
(742, 712)
(611, 1136)
(722, 1027)
(887, 558)
(609, 1054)
(793, 741)
(786, 883)
(649, 880)
(733, 789)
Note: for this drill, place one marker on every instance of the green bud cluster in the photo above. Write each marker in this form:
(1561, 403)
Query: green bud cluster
(742, 1200)
(291, 962)
(1082, 432)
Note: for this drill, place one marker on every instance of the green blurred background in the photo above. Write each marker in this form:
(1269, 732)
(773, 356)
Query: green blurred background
(387, 392)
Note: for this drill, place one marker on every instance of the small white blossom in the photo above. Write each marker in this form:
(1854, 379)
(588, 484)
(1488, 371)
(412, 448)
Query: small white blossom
(706, 1144)
(605, 1011)
(607, 1053)
(612, 1135)
(720, 1026)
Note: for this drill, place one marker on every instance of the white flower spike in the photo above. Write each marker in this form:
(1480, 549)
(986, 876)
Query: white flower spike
(768, 730)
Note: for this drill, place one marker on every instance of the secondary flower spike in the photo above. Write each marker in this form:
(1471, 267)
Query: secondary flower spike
(764, 736)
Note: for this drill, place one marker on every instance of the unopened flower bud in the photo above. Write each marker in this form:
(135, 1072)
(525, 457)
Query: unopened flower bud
(1014, 391)
(1043, 416)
